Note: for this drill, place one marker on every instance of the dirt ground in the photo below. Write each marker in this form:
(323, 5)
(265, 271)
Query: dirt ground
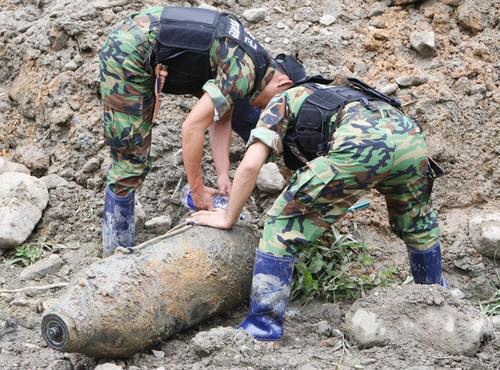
(50, 121)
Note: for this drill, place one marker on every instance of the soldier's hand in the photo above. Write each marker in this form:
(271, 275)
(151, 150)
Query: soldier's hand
(214, 218)
(224, 184)
(202, 197)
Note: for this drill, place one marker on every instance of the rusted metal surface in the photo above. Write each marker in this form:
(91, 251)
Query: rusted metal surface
(126, 303)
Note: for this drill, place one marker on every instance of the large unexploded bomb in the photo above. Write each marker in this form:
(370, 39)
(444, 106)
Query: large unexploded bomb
(126, 303)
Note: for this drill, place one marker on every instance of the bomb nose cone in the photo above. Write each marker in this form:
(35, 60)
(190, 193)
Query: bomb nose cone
(55, 332)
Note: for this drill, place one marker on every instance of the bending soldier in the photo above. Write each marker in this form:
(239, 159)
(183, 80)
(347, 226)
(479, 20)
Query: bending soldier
(342, 142)
(176, 51)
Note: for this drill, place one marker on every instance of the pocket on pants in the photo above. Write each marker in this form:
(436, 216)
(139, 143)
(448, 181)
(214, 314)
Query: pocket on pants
(305, 187)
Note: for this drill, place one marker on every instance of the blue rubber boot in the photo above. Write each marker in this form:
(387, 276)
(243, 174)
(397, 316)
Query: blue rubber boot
(118, 223)
(426, 265)
(272, 277)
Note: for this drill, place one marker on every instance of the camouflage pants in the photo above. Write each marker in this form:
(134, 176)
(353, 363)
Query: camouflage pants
(381, 149)
(128, 99)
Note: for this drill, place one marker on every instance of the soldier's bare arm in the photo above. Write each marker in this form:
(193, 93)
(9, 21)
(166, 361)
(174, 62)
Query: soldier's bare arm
(244, 183)
(220, 141)
(193, 137)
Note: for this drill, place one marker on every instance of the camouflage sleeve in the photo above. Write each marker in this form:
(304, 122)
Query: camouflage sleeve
(274, 120)
(235, 76)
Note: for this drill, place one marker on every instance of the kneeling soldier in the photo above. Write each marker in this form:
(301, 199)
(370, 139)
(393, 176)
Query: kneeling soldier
(342, 142)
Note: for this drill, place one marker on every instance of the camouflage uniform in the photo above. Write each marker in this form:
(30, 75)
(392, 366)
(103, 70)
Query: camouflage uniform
(127, 92)
(381, 149)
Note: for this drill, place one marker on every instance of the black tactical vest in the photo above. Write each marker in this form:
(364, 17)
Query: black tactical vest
(183, 43)
(309, 135)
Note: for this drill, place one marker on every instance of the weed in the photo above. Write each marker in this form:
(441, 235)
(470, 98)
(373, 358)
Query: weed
(491, 307)
(337, 266)
(29, 253)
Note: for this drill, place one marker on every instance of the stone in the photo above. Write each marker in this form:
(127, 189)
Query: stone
(407, 81)
(22, 200)
(323, 328)
(389, 89)
(327, 20)
(470, 17)
(158, 354)
(61, 116)
(484, 232)
(33, 157)
(254, 15)
(429, 315)
(376, 9)
(207, 6)
(7, 166)
(423, 42)
(270, 179)
(140, 217)
(61, 365)
(108, 366)
(244, 2)
(53, 181)
(451, 2)
(70, 66)
(92, 165)
(44, 267)
(403, 2)
(305, 13)
(23, 91)
(159, 225)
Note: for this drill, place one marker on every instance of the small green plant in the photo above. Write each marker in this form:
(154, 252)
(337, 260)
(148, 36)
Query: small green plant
(28, 254)
(492, 306)
(337, 266)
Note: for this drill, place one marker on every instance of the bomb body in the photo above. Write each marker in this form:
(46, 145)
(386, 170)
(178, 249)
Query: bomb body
(125, 303)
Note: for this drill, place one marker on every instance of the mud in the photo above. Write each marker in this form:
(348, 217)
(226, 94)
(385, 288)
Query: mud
(50, 121)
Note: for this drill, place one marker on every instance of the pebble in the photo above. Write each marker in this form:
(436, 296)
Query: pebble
(159, 225)
(327, 20)
(406, 81)
(158, 354)
(70, 66)
(389, 89)
(376, 9)
(254, 15)
(44, 267)
(423, 42)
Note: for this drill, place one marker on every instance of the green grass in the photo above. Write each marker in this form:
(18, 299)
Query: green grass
(492, 306)
(337, 267)
(29, 253)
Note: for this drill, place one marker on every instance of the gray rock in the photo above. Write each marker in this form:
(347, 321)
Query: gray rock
(389, 89)
(22, 200)
(451, 2)
(108, 366)
(47, 266)
(104, 4)
(207, 6)
(61, 365)
(92, 165)
(305, 13)
(270, 180)
(377, 8)
(255, 15)
(423, 42)
(323, 328)
(159, 225)
(19, 301)
(495, 321)
(406, 81)
(53, 181)
(7, 166)
(484, 231)
(61, 116)
(244, 2)
(158, 354)
(327, 19)
(140, 217)
(470, 16)
(33, 157)
(429, 315)
(70, 66)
